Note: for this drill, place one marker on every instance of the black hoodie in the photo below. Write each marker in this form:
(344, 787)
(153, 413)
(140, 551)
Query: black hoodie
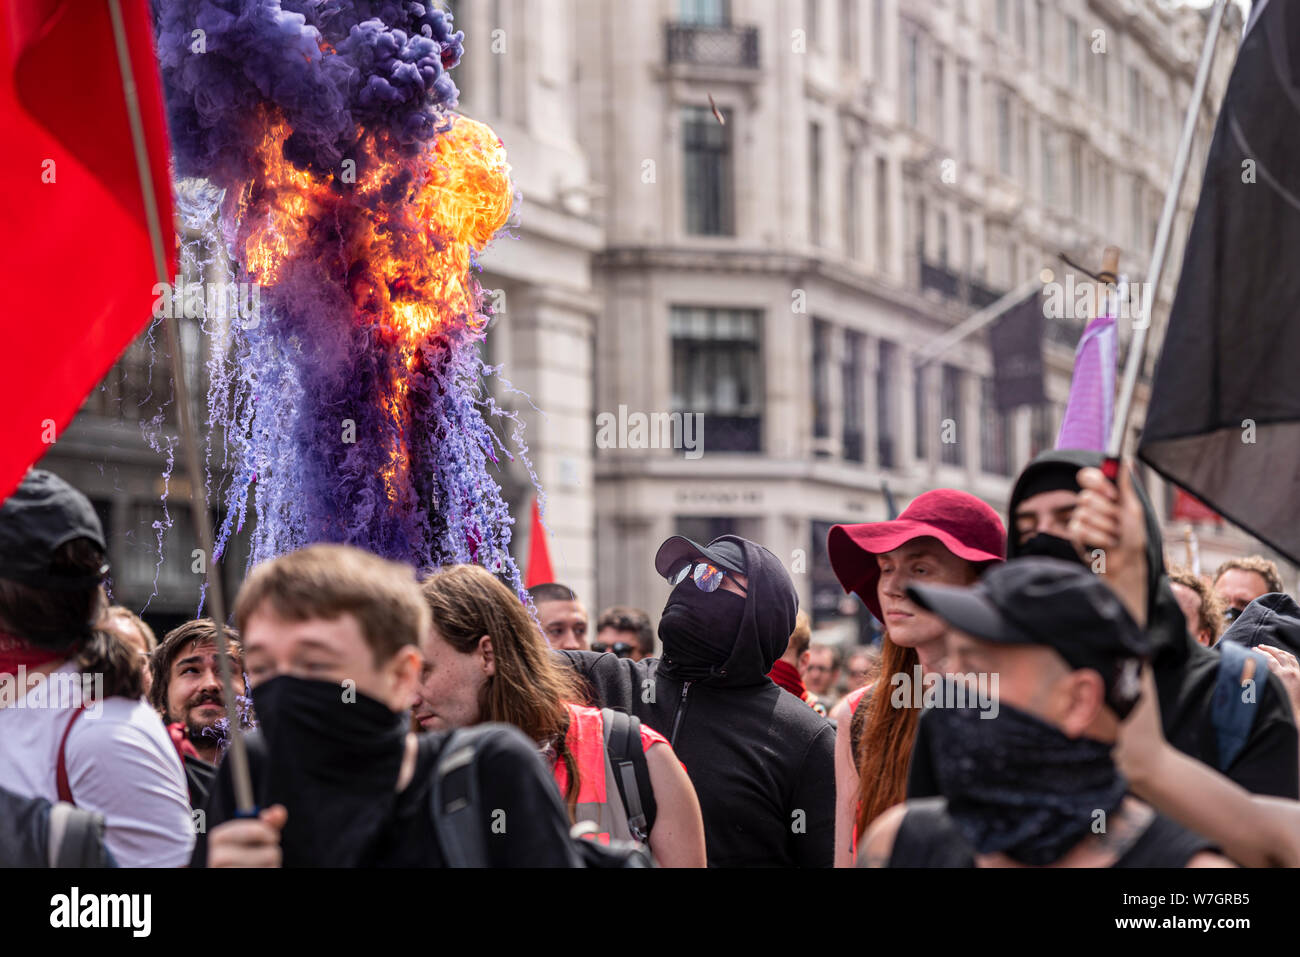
(761, 760)
(1272, 619)
(1185, 672)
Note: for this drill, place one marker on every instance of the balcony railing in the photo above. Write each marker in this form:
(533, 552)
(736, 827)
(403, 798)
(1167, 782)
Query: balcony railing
(713, 46)
(962, 289)
(979, 295)
(939, 278)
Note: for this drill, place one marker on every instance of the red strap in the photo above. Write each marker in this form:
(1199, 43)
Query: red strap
(61, 772)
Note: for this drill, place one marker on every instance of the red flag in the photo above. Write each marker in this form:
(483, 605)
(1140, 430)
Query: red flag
(77, 264)
(1188, 508)
(539, 556)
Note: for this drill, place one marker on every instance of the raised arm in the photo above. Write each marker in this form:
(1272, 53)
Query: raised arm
(1253, 830)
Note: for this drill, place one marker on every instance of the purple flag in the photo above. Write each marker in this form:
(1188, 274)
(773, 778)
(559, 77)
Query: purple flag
(1092, 390)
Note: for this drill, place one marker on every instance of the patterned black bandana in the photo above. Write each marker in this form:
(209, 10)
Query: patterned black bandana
(1018, 785)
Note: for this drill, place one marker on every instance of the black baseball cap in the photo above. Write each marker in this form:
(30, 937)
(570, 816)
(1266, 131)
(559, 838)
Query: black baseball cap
(1046, 601)
(43, 514)
(725, 552)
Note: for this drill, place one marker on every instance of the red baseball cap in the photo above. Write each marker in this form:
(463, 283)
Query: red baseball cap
(967, 527)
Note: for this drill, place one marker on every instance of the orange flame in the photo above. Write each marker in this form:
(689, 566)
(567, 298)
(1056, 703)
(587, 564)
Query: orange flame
(456, 204)
(407, 257)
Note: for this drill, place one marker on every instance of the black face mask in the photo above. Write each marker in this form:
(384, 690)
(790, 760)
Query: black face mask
(1017, 784)
(1049, 546)
(699, 630)
(332, 763)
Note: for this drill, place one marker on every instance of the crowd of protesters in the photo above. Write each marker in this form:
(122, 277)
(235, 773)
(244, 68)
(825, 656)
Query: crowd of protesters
(1031, 680)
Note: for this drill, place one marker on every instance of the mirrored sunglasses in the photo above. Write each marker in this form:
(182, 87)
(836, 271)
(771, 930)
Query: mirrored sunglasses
(707, 577)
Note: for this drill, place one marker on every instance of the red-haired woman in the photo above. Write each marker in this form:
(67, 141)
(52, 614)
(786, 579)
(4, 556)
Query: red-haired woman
(944, 537)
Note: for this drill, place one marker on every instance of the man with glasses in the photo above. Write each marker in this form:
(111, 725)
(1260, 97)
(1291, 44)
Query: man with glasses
(625, 632)
(762, 761)
(862, 667)
(822, 674)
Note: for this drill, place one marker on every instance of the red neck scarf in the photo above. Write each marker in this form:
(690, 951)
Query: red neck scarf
(787, 676)
(184, 746)
(15, 653)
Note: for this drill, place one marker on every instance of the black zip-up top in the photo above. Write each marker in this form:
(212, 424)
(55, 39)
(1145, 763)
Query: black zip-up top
(761, 760)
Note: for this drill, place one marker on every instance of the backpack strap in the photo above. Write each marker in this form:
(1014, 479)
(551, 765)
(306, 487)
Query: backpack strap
(631, 771)
(61, 767)
(457, 814)
(76, 838)
(1234, 716)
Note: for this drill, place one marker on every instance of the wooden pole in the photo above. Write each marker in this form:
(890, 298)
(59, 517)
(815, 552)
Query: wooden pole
(238, 756)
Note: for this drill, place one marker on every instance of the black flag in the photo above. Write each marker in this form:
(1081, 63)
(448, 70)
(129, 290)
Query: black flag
(1016, 341)
(1224, 416)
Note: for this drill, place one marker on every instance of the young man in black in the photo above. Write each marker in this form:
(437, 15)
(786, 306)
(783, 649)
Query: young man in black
(1062, 506)
(331, 646)
(1025, 774)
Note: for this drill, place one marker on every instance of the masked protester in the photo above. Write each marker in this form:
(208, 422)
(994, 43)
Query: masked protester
(1261, 731)
(1024, 769)
(331, 646)
(943, 536)
(760, 759)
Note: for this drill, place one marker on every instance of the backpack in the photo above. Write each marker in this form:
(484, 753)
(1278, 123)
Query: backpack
(458, 812)
(36, 833)
(631, 772)
(1232, 715)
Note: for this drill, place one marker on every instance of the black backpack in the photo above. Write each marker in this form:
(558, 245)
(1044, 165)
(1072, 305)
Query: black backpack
(36, 833)
(458, 812)
(631, 772)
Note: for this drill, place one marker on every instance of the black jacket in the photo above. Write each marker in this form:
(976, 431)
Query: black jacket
(761, 760)
(1186, 674)
(514, 787)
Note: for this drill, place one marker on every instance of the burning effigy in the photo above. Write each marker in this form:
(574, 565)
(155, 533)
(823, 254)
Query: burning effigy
(321, 137)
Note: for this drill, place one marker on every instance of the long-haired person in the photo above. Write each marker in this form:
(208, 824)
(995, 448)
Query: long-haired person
(487, 661)
(943, 537)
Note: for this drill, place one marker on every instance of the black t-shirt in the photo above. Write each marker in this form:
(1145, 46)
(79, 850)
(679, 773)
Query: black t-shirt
(929, 837)
(199, 777)
(512, 779)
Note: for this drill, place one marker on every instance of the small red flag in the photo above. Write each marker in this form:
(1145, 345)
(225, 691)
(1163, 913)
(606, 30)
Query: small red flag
(539, 556)
(77, 270)
(1188, 508)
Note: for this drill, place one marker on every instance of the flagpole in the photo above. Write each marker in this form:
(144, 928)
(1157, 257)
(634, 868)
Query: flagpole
(1137, 348)
(238, 756)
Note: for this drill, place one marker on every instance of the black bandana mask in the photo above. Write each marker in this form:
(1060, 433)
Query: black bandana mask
(699, 630)
(333, 763)
(1049, 546)
(1017, 784)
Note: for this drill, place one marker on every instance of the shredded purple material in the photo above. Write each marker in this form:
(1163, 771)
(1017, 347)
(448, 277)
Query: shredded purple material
(359, 80)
